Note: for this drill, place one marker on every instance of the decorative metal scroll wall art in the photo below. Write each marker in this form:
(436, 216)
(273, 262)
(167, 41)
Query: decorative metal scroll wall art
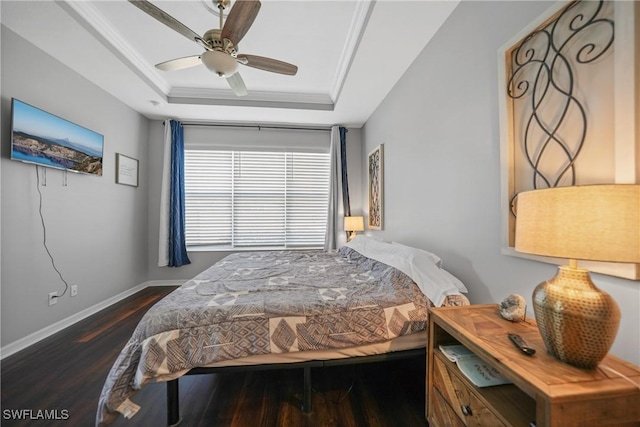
(376, 187)
(569, 87)
(556, 78)
(544, 73)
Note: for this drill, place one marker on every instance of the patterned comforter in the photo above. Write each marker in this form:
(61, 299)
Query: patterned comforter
(253, 303)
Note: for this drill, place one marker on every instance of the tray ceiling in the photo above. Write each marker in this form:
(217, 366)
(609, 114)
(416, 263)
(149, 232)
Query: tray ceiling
(349, 55)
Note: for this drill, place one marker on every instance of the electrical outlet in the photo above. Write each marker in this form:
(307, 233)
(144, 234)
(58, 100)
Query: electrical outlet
(53, 298)
(74, 290)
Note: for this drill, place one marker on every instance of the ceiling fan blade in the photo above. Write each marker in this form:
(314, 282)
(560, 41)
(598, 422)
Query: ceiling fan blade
(168, 20)
(237, 84)
(268, 64)
(180, 63)
(240, 19)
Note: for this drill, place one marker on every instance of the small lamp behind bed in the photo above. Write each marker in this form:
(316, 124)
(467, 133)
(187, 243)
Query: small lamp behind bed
(353, 224)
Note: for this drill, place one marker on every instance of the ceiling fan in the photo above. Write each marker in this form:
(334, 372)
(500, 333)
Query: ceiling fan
(221, 45)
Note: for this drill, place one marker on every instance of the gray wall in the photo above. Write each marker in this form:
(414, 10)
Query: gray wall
(442, 162)
(96, 229)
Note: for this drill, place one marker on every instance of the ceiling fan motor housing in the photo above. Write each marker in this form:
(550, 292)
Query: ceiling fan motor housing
(214, 40)
(222, 58)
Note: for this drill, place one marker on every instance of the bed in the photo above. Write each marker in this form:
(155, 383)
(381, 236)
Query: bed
(269, 308)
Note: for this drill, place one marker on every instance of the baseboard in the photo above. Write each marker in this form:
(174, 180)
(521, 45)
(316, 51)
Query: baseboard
(151, 283)
(43, 333)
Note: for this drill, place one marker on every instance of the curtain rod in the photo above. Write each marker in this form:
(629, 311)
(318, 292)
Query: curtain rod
(259, 127)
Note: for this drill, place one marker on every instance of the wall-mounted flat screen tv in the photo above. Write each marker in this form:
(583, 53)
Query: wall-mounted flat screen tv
(47, 140)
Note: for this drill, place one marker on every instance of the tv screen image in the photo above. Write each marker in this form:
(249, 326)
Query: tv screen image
(47, 140)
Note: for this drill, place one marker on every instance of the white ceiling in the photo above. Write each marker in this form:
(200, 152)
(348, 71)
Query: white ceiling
(349, 55)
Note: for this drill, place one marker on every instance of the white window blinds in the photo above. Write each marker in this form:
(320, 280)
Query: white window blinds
(256, 199)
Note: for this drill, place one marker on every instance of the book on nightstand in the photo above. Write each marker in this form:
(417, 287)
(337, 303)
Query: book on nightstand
(480, 373)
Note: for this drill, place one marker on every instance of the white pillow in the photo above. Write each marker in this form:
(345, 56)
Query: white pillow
(432, 281)
(436, 259)
(456, 282)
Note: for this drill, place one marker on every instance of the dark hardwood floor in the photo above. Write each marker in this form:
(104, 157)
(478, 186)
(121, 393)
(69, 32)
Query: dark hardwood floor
(66, 372)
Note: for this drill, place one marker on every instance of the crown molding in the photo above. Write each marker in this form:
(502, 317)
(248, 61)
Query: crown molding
(93, 21)
(205, 96)
(350, 47)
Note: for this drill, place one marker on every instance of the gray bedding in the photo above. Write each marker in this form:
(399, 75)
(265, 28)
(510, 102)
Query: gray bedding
(253, 303)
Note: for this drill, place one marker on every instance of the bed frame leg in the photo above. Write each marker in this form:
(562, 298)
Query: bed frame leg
(173, 403)
(306, 399)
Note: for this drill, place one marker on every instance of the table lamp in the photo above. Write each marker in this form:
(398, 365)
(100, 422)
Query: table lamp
(353, 224)
(578, 322)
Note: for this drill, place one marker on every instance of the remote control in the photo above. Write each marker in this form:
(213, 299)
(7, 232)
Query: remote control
(522, 344)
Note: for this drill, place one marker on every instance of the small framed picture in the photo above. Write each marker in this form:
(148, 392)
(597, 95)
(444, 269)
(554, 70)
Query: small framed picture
(126, 170)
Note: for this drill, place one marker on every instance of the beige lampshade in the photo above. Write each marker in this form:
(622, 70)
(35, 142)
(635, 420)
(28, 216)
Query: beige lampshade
(353, 223)
(591, 222)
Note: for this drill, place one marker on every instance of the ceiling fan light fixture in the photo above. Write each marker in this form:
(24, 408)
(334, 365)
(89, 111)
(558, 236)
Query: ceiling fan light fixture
(220, 63)
(221, 54)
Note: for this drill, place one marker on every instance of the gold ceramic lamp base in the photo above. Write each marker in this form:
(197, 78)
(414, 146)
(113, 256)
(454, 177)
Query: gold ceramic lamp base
(578, 322)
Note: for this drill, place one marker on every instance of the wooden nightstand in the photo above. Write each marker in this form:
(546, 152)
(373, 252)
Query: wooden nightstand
(545, 392)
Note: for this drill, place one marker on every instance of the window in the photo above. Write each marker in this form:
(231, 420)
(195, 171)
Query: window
(256, 199)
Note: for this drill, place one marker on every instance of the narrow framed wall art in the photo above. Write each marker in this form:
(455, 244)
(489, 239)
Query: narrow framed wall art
(376, 187)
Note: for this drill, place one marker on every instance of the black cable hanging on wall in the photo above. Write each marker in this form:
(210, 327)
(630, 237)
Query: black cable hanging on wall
(44, 231)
